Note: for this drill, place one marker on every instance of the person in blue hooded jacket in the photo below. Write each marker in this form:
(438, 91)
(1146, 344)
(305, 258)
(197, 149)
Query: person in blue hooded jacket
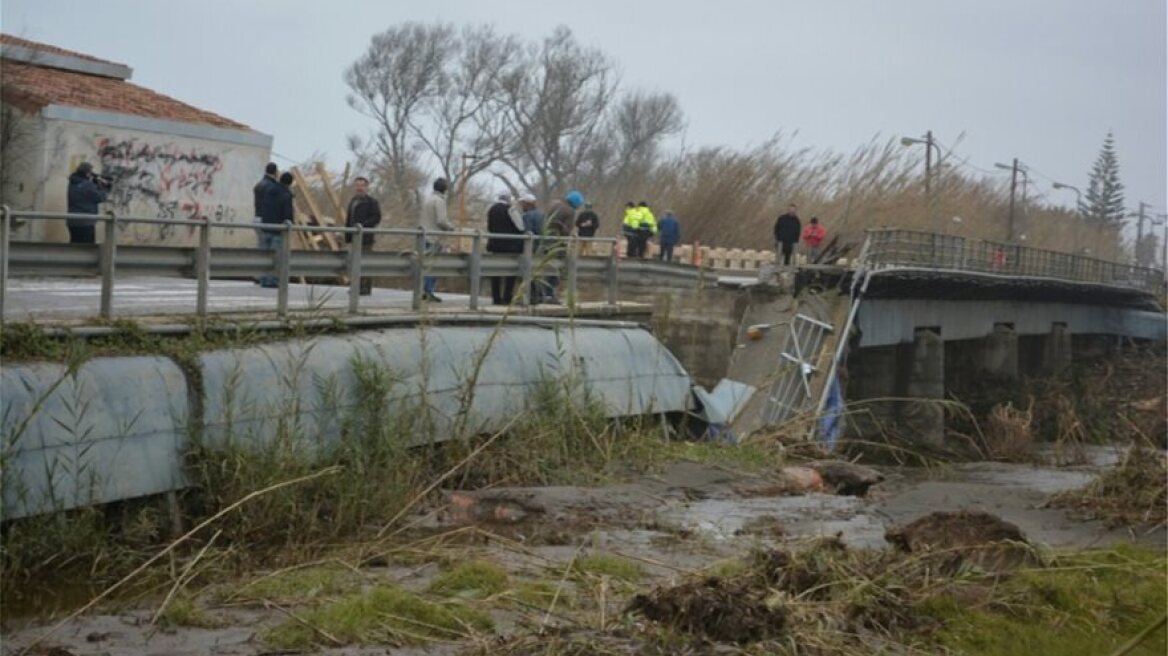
(668, 235)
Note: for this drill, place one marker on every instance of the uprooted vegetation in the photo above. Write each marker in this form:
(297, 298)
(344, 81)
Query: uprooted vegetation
(827, 599)
(1132, 493)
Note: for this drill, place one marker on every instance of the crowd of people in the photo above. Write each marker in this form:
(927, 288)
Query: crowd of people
(510, 221)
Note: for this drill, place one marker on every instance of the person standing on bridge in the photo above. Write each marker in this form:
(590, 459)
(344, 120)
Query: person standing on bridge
(669, 234)
(632, 221)
(646, 228)
(432, 219)
(259, 191)
(587, 223)
(561, 218)
(85, 195)
(276, 209)
(813, 236)
(787, 229)
(503, 218)
(364, 211)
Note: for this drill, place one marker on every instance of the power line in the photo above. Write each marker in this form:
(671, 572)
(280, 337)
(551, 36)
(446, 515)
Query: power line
(964, 161)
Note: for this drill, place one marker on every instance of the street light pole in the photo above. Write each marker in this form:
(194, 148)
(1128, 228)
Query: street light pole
(1015, 168)
(1078, 210)
(930, 144)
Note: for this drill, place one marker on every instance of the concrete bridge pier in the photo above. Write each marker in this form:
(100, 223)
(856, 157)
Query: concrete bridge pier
(999, 353)
(923, 421)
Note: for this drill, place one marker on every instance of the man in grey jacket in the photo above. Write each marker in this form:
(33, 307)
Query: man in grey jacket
(432, 219)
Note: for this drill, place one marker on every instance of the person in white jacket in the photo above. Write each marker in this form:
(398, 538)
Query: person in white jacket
(433, 218)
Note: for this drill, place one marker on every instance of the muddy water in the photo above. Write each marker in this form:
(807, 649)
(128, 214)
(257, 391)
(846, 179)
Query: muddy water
(673, 524)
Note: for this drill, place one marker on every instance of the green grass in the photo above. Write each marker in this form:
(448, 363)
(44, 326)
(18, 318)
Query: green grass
(297, 586)
(614, 567)
(540, 594)
(382, 615)
(474, 579)
(1082, 605)
(651, 453)
(183, 611)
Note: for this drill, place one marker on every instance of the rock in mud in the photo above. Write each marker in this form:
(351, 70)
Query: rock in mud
(717, 609)
(975, 536)
(846, 478)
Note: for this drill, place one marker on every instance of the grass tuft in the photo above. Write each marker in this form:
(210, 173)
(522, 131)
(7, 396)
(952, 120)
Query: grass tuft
(382, 615)
(616, 567)
(473, 579)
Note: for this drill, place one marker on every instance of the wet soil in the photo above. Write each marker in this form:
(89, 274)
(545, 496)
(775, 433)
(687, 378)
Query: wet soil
(671, 526)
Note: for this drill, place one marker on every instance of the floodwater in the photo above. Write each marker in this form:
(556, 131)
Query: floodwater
(679, 522)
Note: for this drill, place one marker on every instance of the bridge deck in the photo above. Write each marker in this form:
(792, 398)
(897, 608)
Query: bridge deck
(70, 300)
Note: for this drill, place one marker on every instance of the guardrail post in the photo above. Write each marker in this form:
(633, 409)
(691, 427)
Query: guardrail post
(572, 261)
(5, 237)
(203, 268)
(476, 268)
(417, 270)
(526, 268)
(109, 252)
(356, 245)
(283, 269)
(611, 277)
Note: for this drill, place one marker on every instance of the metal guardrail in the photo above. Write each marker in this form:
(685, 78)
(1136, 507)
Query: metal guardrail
(911, 249)
(542, 256)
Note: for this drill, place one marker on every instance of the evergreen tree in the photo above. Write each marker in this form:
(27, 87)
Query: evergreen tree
(1104, 197)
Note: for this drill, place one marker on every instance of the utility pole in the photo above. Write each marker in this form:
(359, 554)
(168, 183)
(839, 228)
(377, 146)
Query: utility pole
(1014, 169)
(1013, 187)
(1140, 233)
(928, 163)
(463, 175)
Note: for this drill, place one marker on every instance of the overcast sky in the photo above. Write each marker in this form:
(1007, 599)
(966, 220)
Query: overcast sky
(1041, 80)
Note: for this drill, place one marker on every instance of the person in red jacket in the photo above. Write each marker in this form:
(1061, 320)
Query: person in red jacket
(813, 236)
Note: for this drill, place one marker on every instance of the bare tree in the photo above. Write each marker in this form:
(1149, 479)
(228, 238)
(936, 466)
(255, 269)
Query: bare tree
(555, 108)
(462, 117)
(403, 70)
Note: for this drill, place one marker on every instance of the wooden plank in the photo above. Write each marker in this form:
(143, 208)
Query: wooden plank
(338, 210)
(313, 209)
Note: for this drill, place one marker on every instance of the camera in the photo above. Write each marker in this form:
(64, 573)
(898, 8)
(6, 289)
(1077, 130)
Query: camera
(102, 181)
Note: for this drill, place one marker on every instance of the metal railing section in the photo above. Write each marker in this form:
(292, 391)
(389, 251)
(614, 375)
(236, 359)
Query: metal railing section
(541, 256)
(911, 249)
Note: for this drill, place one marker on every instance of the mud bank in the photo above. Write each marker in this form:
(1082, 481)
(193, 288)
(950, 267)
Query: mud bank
(588, 548)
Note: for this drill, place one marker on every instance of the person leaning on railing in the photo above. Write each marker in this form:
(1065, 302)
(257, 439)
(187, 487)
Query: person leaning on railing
(86, 192)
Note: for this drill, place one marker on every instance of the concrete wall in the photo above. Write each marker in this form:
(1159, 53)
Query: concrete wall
(21, 186)
(160, 169)
(117, 428)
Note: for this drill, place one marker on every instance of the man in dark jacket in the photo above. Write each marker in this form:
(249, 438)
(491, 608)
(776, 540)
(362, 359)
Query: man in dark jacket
(364, 211)
(503, 218)
(275, 209)
(260, 190)
(787, 229)
(84, 196)
(587, 223)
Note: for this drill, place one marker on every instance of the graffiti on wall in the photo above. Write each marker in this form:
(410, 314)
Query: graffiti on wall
(161, 179)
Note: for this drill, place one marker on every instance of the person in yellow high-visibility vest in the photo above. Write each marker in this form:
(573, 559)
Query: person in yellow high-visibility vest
(646, 228)
(629, 227)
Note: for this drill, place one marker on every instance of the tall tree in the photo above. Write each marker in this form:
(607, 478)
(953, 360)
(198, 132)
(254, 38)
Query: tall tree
(1103, 201)
(403, 70)
(555, 108)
